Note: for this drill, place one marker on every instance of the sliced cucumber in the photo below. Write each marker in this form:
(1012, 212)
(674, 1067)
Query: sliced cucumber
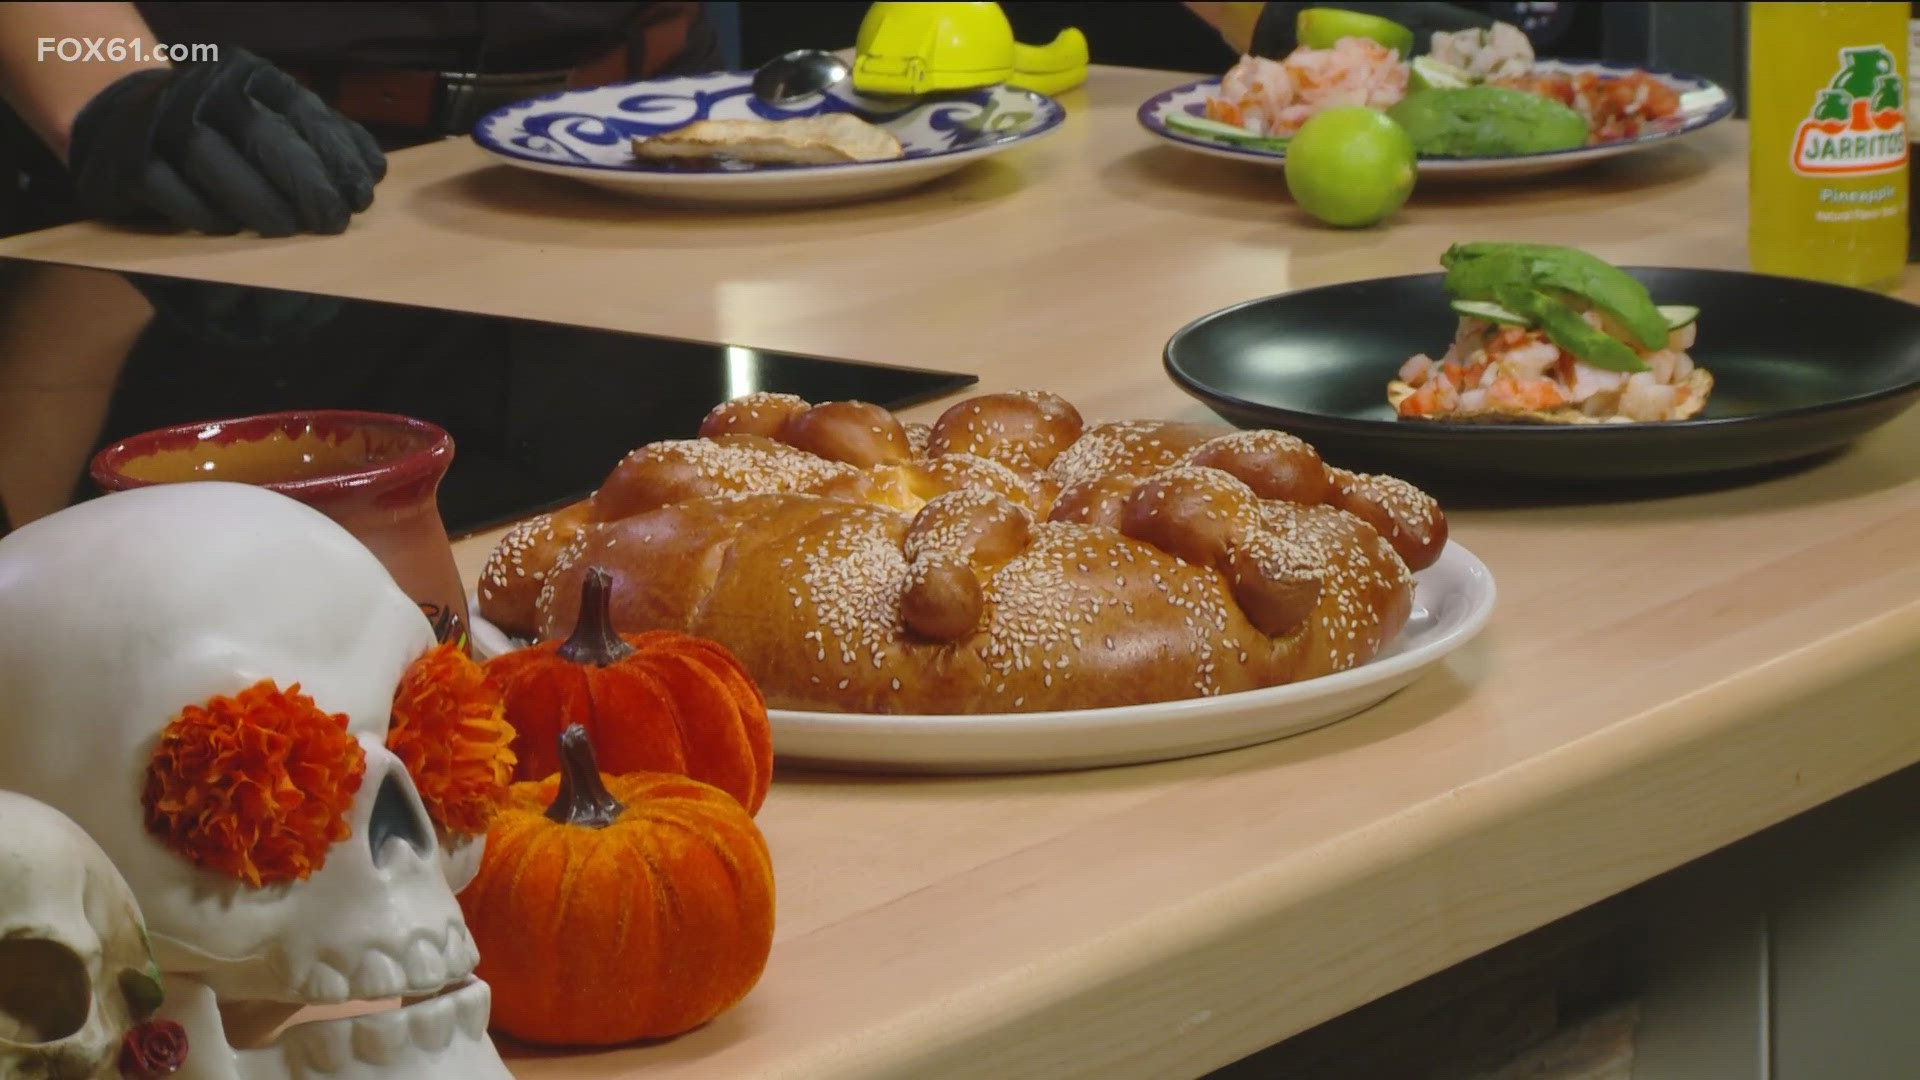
(1490, 311)
(1679, 315)
(1227, 133)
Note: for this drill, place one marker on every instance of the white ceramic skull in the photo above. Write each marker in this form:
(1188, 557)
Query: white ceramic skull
(115, 614)
(75, 971)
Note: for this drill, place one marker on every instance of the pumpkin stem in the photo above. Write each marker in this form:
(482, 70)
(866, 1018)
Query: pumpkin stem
(582, 799)
(594, 639)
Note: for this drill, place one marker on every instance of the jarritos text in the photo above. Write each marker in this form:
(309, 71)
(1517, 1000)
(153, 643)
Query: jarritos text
(1858, 124)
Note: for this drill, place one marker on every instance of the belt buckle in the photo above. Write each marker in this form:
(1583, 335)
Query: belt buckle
(464, 97)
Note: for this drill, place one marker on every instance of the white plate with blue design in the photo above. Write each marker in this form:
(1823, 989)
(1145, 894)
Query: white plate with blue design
(1702, 102)
(1452, 601)
(588, 135)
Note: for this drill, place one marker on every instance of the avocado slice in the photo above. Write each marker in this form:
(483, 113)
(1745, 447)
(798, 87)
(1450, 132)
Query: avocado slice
(1477, 276)
(1565, 328)
(1485, 121)
(1626, 301)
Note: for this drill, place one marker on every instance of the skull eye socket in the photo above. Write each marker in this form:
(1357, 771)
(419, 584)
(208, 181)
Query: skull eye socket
(256, 786)
(45, 994)
(449, 729)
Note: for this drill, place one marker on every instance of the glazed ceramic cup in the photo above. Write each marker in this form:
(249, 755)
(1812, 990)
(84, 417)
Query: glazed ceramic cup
(376, 474)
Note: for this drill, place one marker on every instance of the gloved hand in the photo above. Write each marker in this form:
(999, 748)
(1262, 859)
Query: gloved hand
(220, 147)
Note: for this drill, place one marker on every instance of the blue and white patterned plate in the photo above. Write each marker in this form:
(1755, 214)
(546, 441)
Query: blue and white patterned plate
(587, 134)
(1702, 102)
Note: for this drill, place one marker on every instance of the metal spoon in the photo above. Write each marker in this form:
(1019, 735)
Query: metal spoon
(798, 77)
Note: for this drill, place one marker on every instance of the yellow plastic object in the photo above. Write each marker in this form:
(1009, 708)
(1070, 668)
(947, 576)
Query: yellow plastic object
(908, 49)
(1053, 68)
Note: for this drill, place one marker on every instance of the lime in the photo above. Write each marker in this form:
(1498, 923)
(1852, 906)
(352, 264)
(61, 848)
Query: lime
(1430, 74)
(1322, 28)
(1350, 166)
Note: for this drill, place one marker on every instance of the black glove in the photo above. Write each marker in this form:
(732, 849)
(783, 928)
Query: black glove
(235, 144)
(1274, 35)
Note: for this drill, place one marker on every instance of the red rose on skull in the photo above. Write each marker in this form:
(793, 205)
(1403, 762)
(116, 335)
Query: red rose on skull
(153, 1049)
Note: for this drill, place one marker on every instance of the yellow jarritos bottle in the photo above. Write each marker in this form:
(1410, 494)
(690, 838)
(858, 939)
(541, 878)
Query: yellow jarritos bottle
(1826, 101)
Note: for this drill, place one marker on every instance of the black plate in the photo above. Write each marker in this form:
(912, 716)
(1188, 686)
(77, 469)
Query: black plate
(1800, 368)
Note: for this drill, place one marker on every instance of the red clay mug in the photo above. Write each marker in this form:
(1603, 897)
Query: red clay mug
(376, 474)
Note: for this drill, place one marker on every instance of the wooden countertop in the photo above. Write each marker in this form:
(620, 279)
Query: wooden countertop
(1662, 677)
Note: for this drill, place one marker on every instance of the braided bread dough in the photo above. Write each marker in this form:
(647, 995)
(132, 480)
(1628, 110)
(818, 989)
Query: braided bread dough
(1009, 558)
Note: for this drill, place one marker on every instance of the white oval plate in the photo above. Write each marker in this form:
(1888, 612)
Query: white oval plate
(1702, 102)
(587, 135)
(1452, 601)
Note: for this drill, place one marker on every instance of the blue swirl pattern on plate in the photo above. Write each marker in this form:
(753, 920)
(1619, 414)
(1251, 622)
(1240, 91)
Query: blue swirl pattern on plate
(593, 128)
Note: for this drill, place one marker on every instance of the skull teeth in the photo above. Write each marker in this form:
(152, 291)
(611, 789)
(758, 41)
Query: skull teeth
(462, 955)
(433, 1024)
(425, 965)
(325, 985)
(378, 976)
(440, 1038)
(380, 1038)
(472, 1006)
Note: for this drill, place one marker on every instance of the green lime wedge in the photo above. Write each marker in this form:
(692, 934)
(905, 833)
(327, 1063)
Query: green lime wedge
(1430, 74)
(1322, 28)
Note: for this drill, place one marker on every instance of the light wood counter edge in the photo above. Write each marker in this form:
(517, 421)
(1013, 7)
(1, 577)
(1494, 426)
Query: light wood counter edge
(1218, 977)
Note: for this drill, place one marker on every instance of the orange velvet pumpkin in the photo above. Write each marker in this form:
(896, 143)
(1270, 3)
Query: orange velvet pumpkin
(653, 702)
(614, 908)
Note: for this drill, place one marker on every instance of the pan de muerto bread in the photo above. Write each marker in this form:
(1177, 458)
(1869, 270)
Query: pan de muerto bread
(1010, 558)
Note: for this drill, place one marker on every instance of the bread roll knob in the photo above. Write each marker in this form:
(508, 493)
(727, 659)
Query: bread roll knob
(982, 527)
(660, 474)
(1407, 517)
(943, 600)
(1024, 431)
(1274, 464)
(1191, 513)
(1098, 501)
(517, 570)
(858, 433)
(1276, 596)
(759, 413)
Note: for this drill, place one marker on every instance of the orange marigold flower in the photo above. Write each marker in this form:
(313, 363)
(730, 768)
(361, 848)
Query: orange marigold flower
(450, 729)
(257, 785)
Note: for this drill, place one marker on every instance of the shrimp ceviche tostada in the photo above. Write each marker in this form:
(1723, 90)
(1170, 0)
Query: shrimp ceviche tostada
(1553, 335)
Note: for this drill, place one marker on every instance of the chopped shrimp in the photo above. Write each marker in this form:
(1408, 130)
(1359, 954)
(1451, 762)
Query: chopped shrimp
(1645, 398)
(1515, 393)
(1669, 366)
(1502, 52)
(1433, 399)
(1532, 360)
(1271, 97)
(1414, 371)
(1518, 369)
(1589, 381)
(1253, 95)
